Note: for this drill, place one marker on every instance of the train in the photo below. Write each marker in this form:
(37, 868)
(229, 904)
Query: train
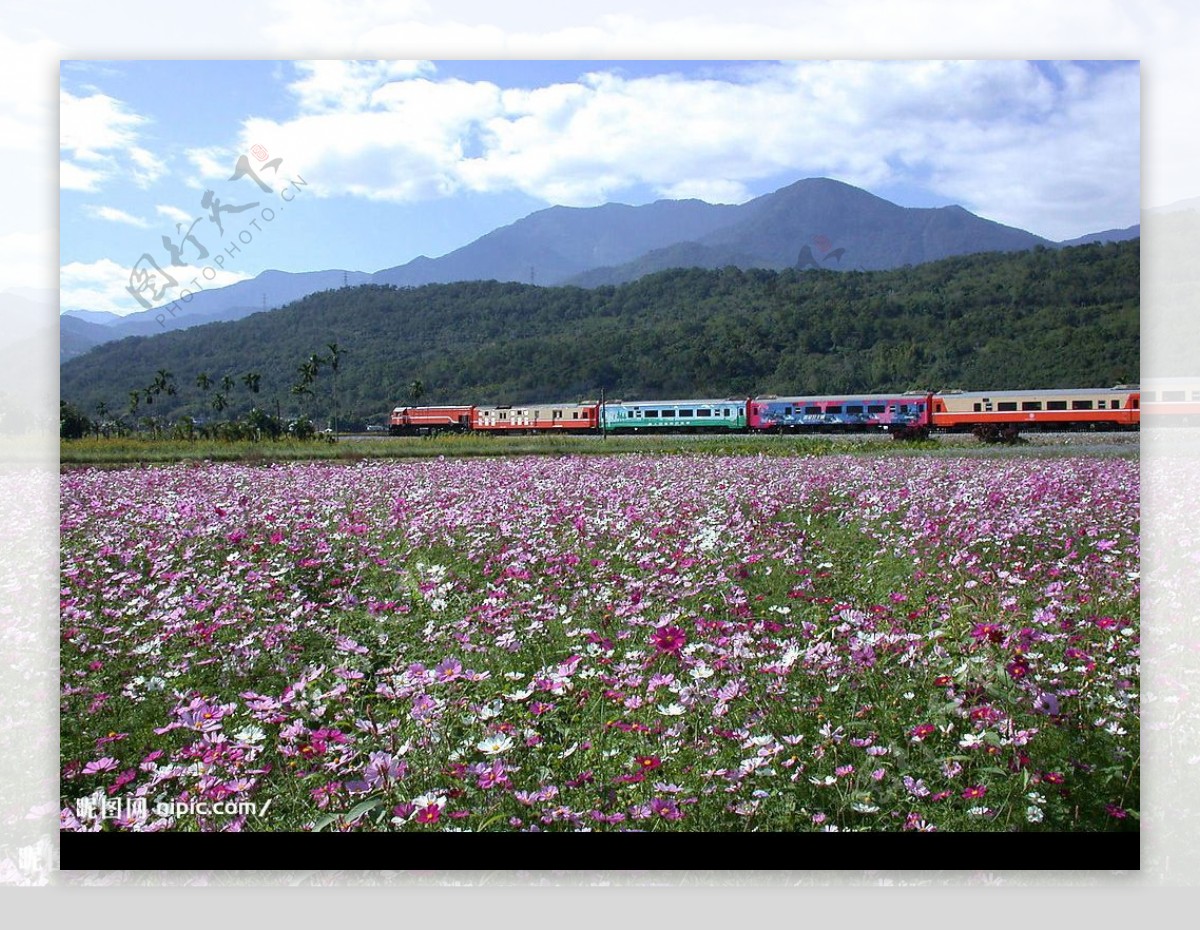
(912, 414)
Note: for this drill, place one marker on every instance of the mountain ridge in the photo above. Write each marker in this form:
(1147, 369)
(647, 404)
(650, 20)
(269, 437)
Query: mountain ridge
(810, 223)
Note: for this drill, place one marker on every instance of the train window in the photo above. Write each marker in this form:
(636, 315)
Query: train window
(1150, 396)
(978, 407)
(835, 408)
(651, 413)
(876, 408)
(686, 413)
(1007, 406)
(668, 413)
(1056, 405)
(787, 411)
(704, 413)
(1101, 404)
(855, 408)
(812, 409)
(1031, 405)
(1081, 405)
(1195, 395)
(1176, 396)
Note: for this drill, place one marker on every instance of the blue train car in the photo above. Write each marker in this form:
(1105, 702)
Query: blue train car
(833, 412)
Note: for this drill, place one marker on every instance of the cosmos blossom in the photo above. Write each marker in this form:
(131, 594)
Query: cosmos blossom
(708, 621)
(669, 639)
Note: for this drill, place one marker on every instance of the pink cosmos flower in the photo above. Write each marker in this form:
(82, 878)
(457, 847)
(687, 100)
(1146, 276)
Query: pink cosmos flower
(922, 730)
(669, 639)
(429, 814)
(448, 670)
(382, 769)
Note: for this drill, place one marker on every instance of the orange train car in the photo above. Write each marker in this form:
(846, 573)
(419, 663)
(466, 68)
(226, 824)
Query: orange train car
(1115, 408)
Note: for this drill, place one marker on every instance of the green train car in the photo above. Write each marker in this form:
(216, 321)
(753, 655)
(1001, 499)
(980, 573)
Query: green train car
(675, 416)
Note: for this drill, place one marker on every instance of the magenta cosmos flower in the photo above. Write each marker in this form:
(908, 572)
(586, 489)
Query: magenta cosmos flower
(669, 639)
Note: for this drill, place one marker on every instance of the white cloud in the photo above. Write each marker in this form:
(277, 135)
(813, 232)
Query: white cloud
(211, 162)
(147, 167)
(348, 85)
(98, 139)
(89, 127)
(174, 213)
(104, 284)
(73, 177)
(113, 215)
(710, 190)
(998, 136)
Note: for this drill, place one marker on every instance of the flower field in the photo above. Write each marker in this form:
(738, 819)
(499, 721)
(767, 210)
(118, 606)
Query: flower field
(682, 642)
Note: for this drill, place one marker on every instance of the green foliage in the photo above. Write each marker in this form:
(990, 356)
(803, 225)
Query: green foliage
(1038, 319)
(72, 422)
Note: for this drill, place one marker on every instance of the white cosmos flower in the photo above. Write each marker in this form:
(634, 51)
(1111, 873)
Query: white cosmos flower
(671, 710)
(250, 734)
(492, 745)
(431, 797)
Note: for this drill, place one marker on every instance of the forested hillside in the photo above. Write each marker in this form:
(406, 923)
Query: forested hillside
(1042, 318)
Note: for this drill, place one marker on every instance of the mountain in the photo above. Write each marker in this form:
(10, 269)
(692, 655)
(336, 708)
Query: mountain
(98, 317)
(819, 223)
(559, 242)
(814, 223)
(1108, 235)
(76, 336)
(268, 291)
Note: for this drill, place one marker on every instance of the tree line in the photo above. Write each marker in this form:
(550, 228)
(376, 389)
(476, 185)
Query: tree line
(1038, 319)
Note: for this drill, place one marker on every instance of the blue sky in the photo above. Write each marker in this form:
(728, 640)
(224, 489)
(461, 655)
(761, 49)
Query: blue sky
(391, 160)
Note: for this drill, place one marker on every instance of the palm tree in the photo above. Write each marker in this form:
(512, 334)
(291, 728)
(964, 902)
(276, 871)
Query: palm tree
(416, 391)
(335, 356)
(251, 380)
(163, 382)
